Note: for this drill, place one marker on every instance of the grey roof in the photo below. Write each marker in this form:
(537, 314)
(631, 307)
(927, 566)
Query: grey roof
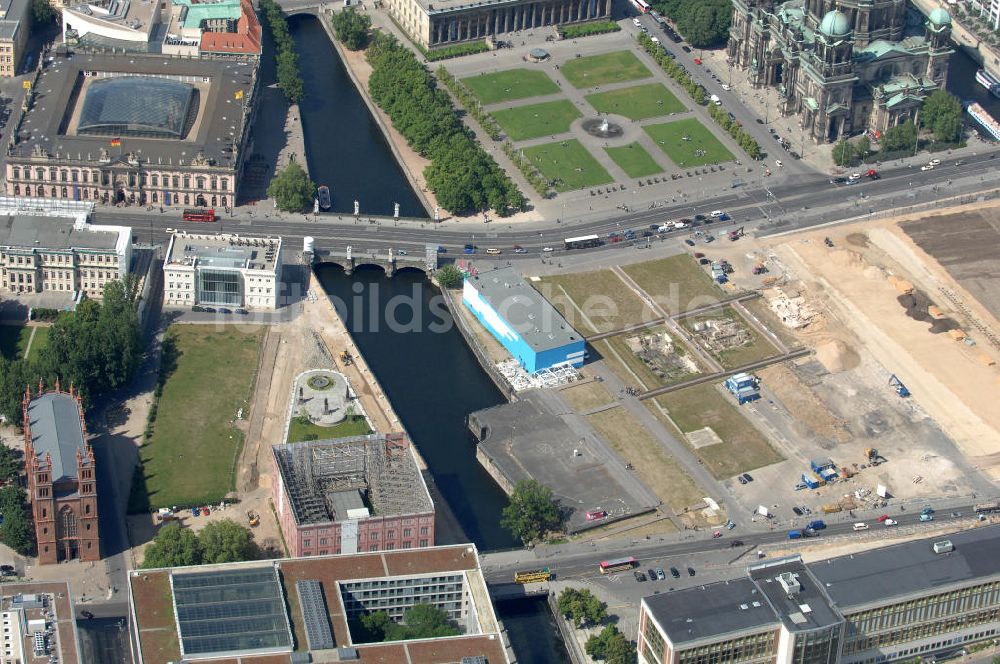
(15, 12)
(31, 232)
(58, 88)
(706, 611)
(524, 309)
(912, 567)
(54, 419)
(807, 608)
(343, 501)
(224, 251)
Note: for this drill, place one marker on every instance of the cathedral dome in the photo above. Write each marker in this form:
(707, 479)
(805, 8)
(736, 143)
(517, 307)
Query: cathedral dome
(940, 16)
(835, 24)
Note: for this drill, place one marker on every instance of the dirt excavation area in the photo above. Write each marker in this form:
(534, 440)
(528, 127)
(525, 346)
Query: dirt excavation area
(895, 299)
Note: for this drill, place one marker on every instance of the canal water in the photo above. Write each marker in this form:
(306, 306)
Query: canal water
(346, 150)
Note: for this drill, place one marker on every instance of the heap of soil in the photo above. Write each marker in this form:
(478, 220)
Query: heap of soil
(836, 356)
(916, 304)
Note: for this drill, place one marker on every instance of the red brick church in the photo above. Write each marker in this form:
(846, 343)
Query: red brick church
(62, 485)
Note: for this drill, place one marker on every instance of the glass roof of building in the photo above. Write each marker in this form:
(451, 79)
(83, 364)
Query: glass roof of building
(138, 106)
(231, 612)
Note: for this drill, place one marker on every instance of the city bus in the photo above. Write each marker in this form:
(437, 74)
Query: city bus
(582, 242)
(534, 576)
(198, 214)
(618, 565)
(641, 5)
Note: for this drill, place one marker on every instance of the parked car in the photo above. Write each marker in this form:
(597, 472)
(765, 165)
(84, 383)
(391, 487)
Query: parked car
(747, 477)
(660, 576)
(797, 510)
(651, 573)
(518, 249)
(742, 480)
(674, 573)
(689, 242)
(639, 576)
(690, 571)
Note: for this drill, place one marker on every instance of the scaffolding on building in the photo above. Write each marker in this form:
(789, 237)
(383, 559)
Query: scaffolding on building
(379, 466)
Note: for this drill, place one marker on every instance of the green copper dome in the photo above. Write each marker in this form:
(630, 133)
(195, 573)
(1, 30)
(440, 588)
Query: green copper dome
(940, 16)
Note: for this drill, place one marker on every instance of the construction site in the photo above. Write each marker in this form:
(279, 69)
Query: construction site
(351, 494)
(667, 360)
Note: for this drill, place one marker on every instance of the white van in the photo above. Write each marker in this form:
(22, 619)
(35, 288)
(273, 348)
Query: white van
(636, 22)
(861, 526)
(716, 213)
(665, 228)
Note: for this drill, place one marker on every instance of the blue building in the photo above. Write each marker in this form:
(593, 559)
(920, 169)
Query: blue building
(530, 328)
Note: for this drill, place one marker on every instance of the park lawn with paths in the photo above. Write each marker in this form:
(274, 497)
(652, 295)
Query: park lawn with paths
(40, 341)
(545, 119)
(300, 428)
(568, 165)
(509, 85)
(13, 340)
(743, 447)
(596, 70)
(634, 160)
(676, 283)
(190, 458)
(657, 469)
(593, 301)
(759, 348)
(701, 148)
(638, 102)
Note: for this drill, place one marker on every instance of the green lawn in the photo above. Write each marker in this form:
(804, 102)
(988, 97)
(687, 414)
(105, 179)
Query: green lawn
(676, 283)
(534, 120)
(302, 429)
(593, 301)
(13, 340)
(568, 165)
(510, 84)
(743, 447)
(605, 68)
(634, 160)
(638, 103)
(191, 456)
(701, 148)
(40, 341)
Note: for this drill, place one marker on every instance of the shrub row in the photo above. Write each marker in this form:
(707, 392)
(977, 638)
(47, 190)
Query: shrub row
(289, 79)
(456, 51)
(587, 29)
(471, 104)
(537, 181)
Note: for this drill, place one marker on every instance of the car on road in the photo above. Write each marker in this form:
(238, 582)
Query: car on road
(859, 526)
(927, 510)
(956, 515)
(959, 162)
(209, 310)
(636, 23)
(469, 249)
(518, 249)
(596, 515)
(639, 576)
(197, 308)
(797, 510)
(716, 213)
(674, 573)
(855, 176)
(747, 477)
(838, 180)
(493, 251)
(934, 162)
(872, 174)
(689, 242)
(548, 250)
(242, 312)
(735, 543)
(730, 524)
(727, 87)
(777, 162)
(717, 534)
(891, 522)
(87, 614)
(686, 48)
(171, 231)
(691, 571)
(928, 167)
(225, 310)
(648, 233)
(849, 181)
(660, 576)
(401, 252)
(883, 518)
(926, 517)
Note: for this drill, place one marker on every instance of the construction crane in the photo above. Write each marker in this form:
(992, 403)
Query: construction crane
(736, 234)
(253, 518)
(345, 358)
(873, 457)
(896, 384)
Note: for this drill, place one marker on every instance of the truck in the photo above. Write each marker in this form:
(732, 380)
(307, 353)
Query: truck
(832, 508)
(533, 576)
(794, 534)
(987, 508)
(817, 524)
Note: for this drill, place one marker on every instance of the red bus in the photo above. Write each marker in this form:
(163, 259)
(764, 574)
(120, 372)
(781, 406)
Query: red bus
(618, 565)
(642, 6)
(197, 214)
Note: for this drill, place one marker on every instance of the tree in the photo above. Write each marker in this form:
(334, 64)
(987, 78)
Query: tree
(17, 530)
(173, 546)
(900, 137)
(532, 511)
(581, 607)
(226, 542)
(702, 22)
(941, 113)
(351, 28)
(420, 621)
(611, 646)
(10, 464)
(863, 148)
(843, 153)
(449, 276)
(291, 188)
(42, 12)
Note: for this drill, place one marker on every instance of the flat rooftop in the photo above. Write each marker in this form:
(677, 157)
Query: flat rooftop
(703, 612)
(532, 438)
(35, 232)
(830, 588)
(524, 309)
(59, 601)
(154, 622)
(56, 429)
(440, 6)
(58, 95)
(223, 251)
(803, 608)
(860, 579)
(322, 477)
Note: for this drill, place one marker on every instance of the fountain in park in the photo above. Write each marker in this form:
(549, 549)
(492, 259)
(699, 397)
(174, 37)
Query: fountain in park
(602, 128)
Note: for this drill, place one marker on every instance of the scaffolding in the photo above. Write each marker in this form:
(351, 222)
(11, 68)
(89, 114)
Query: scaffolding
(379, 466)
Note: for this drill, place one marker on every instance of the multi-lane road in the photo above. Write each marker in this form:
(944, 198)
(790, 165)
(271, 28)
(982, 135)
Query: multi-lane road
(793, 202)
